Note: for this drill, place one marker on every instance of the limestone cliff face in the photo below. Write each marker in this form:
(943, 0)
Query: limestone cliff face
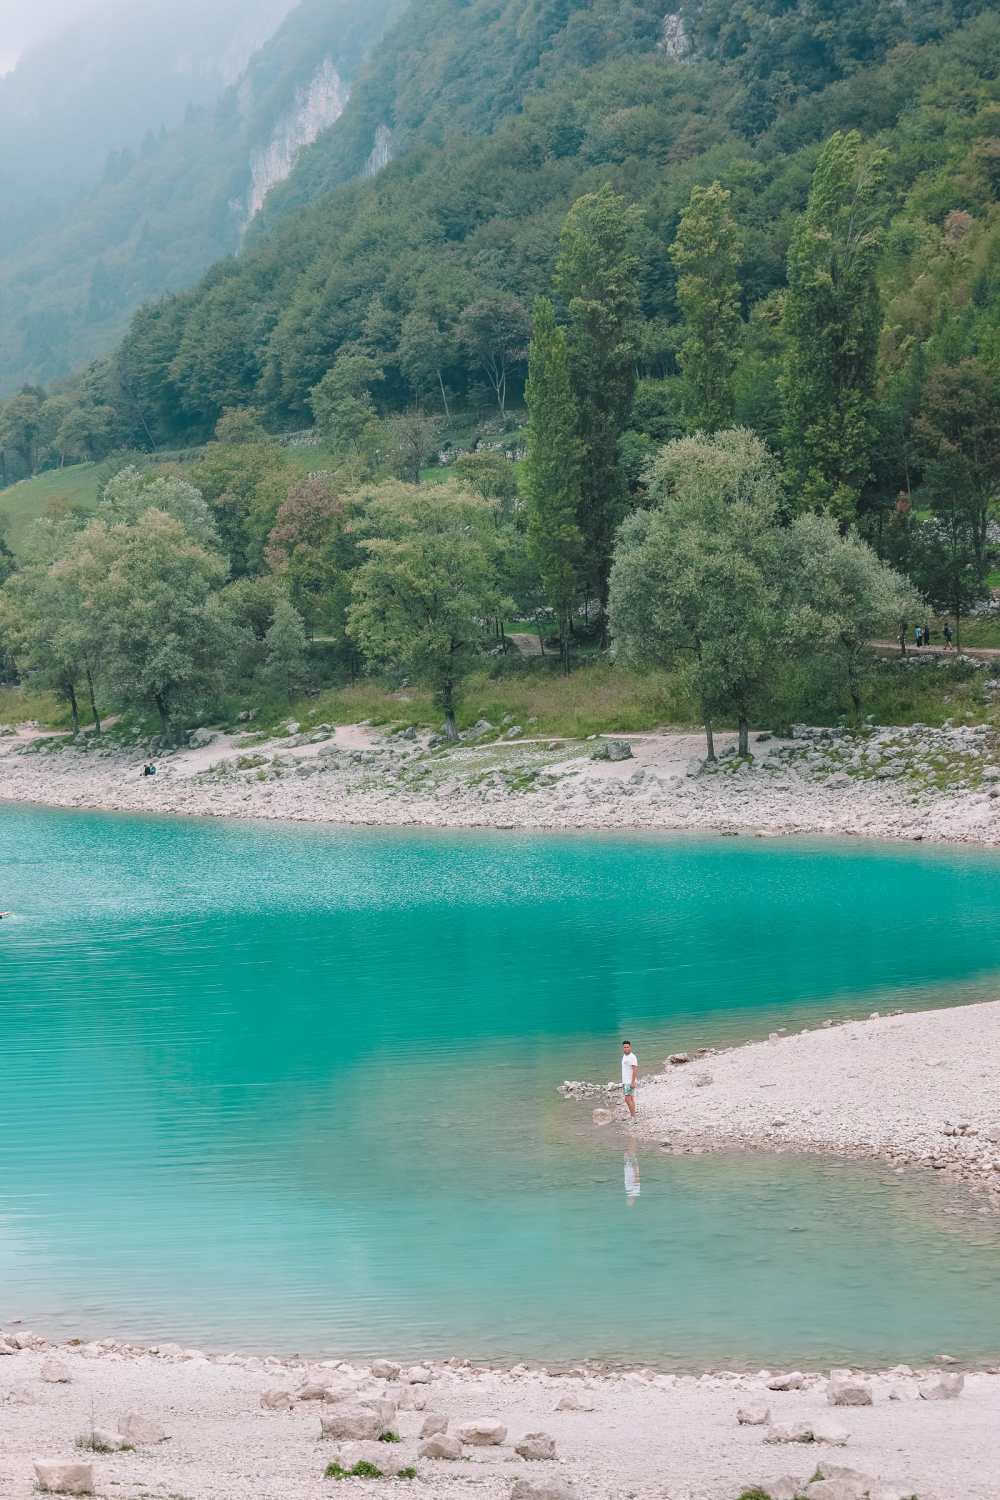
(674, 39)
(381, 154)
(317, 106)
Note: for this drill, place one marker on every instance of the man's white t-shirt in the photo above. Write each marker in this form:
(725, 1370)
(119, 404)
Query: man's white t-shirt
(629, 1060)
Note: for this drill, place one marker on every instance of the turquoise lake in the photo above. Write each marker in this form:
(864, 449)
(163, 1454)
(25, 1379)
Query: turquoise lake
(290, 1089)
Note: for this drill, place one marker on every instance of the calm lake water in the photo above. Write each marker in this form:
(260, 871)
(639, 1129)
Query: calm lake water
(288, 1088)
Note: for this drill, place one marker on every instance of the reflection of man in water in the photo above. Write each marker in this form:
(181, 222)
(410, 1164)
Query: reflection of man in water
(632, 1187)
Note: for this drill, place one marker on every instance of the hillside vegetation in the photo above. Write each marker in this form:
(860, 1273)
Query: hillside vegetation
(699, 318)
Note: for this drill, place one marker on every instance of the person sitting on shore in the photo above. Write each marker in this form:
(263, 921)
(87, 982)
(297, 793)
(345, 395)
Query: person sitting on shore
(630, 1072)
(149, 770)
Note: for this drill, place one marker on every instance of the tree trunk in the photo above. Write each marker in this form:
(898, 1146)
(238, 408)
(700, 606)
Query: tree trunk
(448, 704)
(564, 638)
(958, 621)
(74, 707)
(93, 701)
(709, 739)
(161, 709)
(444, 396)
(744, 744)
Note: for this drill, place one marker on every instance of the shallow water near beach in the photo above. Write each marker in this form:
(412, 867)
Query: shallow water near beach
(294, 1089)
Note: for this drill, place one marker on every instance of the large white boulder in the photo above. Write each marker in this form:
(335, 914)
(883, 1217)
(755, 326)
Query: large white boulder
(384, 1369)
(544, 1489)
(434, 1423)
(753, 1416)
(64, 1479)
(352, 1423)
(140, 1431)
(845, 1390)
(536, 1446)
(793, 1381)
(277, 1400)
(440, 1446)
(483, 1433)
(789, 1432)
(55, 1372)
(942, 1388)
(574, 1402)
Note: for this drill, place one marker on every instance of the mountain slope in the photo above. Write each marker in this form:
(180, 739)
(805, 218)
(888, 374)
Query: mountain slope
(163, 213)
(124, 70)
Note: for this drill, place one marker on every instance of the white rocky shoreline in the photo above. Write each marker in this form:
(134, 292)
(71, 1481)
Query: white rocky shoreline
(919, 1090)
(915, 783)
(110, 1417)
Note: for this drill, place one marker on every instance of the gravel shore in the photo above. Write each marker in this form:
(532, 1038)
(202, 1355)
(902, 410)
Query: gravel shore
(617, 1436)
(920, 1090)
(914, 783)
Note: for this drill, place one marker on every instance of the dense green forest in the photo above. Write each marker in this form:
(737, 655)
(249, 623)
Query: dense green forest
(741, 261)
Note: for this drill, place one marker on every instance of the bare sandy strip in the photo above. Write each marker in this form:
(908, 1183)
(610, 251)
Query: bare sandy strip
(901, 784)
(649, 1436)
(921, 1090)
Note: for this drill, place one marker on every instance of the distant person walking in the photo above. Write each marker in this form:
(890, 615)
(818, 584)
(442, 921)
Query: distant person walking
(947, 636)
(630, 1072)
(927, 635)
(918, 634)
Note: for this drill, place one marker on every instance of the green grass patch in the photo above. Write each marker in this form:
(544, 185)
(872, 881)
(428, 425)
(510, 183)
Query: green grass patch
(19, 704)
(390, 1437)
(23, 503)
(365, 1470)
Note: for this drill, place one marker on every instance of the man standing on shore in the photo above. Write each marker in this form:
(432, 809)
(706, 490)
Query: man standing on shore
(630, 1072)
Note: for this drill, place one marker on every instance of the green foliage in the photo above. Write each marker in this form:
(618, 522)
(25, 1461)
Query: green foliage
(553, 469)
(285, 660)
(597, 280)
(421, 601)
(706, 256)
(148, 592)
(832, 321)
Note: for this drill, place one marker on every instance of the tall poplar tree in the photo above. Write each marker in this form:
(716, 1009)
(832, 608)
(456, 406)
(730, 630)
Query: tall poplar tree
(706, 254)
(832, 319)
(552, 469)
(597, 279)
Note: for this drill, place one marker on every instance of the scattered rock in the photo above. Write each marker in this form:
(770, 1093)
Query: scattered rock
(440, 1446)
(412, 1398)
(942, 1388)
(793, 1381)
(103, 1440)
(434, 1423)
(602, 1116)
(199, 738)
(64, 1479)
(677, 1059)
(55, 1372)
(845, 1391)
(384, 1369)
(417, 1375)
(349, 1423)
(827, 1431)
(573, 1402)
(536, 1446)
(785, 1488)
(482, 1434)
(544, 1490)
(789, 1432)
(140, 1431)
(753, 1416)
(387, 1457)
(277, 1400)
